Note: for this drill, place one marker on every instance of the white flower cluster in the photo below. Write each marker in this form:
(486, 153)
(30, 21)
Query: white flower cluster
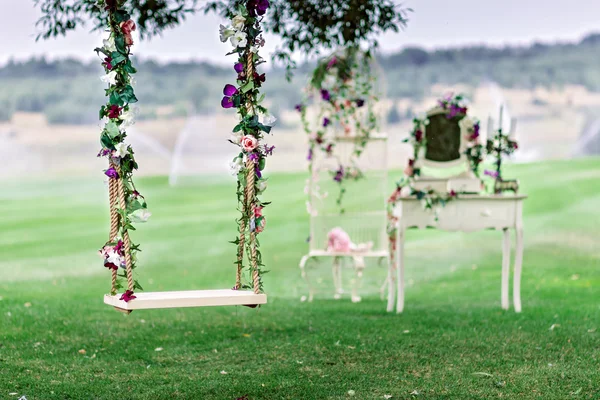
(235, 32)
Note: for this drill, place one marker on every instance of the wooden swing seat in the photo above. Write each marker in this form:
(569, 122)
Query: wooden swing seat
(188, 298)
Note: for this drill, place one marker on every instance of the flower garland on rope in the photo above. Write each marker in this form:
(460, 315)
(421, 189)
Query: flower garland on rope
(342, 88)
(127, 205)
(245, 35)
(431, 199)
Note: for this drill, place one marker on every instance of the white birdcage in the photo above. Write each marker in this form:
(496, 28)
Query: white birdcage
(361, 214)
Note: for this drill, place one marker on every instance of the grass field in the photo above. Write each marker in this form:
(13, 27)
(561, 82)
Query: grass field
(58, 341)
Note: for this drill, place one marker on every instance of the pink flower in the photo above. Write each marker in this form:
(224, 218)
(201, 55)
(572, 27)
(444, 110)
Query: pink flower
(258, 212)
(338, 241)
(409, 170)
(249, 143)
(127, 27)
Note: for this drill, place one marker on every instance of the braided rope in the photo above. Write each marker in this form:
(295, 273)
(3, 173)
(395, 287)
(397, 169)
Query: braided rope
(114, 224)
(126, 241)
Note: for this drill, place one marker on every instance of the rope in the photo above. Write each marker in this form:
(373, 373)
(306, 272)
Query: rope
(114, 224)
(126, 241)
(250, 178)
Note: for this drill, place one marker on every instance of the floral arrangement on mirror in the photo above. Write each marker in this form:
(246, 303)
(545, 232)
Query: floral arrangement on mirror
(453, 106)
(341, 97)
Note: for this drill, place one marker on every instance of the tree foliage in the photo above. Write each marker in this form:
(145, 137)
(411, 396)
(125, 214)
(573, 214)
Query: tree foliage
(152, 16)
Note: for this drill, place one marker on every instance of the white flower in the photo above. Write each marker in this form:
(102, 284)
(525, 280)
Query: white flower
(132, 80)
(467, 124)
(238, 22)
(121, 150)
(267, 119)
(239, 39)
(225, 32)
(236, 137)
(254, 49)
(329, 82)
(114, 258)
(110, 78)
(140, 215)
(128, 117)
(109, 44)
(262, 185)
(235, 166)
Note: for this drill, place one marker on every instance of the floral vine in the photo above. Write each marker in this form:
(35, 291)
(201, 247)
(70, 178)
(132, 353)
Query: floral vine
(245, 35)
(342, 89)
(128, 206)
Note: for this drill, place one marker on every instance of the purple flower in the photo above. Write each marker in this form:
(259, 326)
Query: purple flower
(239, 68)
(493, 174)
(230, 90)
(262, 7)
(112, 173)
(332, 62)
(104, 153)
(299, 107)
(326, 121)
(257, 171)
(253, 157)
(360, 103)
(325, 95)
(339, 175)
(329, 148)
(310, 155)
(127, 296)
(269, 150)
(227, 102)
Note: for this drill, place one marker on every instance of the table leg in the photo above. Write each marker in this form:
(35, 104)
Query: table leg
(505, 269)
(400, 270)
(391, 283)
(517, 273)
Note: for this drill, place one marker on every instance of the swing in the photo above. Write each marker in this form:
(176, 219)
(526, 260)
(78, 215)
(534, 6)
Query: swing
(121, 189)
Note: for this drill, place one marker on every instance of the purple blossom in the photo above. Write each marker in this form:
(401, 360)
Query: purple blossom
(326, 121)
(325, 95)
(299, 107)
(253, 157)
(262, 7)
(339, 175)
(257, 171)
(332, 62)
(329, 148)
(475, 134)
(127, 296)
(227, 102)
(230, 90)
(104, 153)
(239, 68)
(112, 173)
(493, 174)
(310, 154)
(269, 150)
(360, 103)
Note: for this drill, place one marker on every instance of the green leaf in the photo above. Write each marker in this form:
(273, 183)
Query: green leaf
(120, 44)
(115, 99)
(248, 86)
(117, 57)
(127, 95)
(237, 128)
(112, 129)
(121, 16)
(261, 164)
(129, 68)
(106, 141)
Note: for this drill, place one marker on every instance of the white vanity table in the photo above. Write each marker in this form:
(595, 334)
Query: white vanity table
(467, 213)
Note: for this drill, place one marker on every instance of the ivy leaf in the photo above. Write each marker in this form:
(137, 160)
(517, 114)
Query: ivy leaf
(121, 16)
(127, 95)
(117, 57)
(248, 86)
(115, 99)
(102, 112)
(129, 68)
(261, 164)
(112, 129)
(106, 141)
(264, 128)
(237, 128)
(120, 44)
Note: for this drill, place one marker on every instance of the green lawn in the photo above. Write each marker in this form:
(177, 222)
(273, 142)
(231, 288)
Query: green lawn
(58, 340)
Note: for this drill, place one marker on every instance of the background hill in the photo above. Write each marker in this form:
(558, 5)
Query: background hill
(69, 91)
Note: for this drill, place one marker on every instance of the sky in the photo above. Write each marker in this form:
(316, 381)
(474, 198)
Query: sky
(433, 24)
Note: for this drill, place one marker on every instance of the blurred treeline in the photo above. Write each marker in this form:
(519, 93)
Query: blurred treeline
(69, 91)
